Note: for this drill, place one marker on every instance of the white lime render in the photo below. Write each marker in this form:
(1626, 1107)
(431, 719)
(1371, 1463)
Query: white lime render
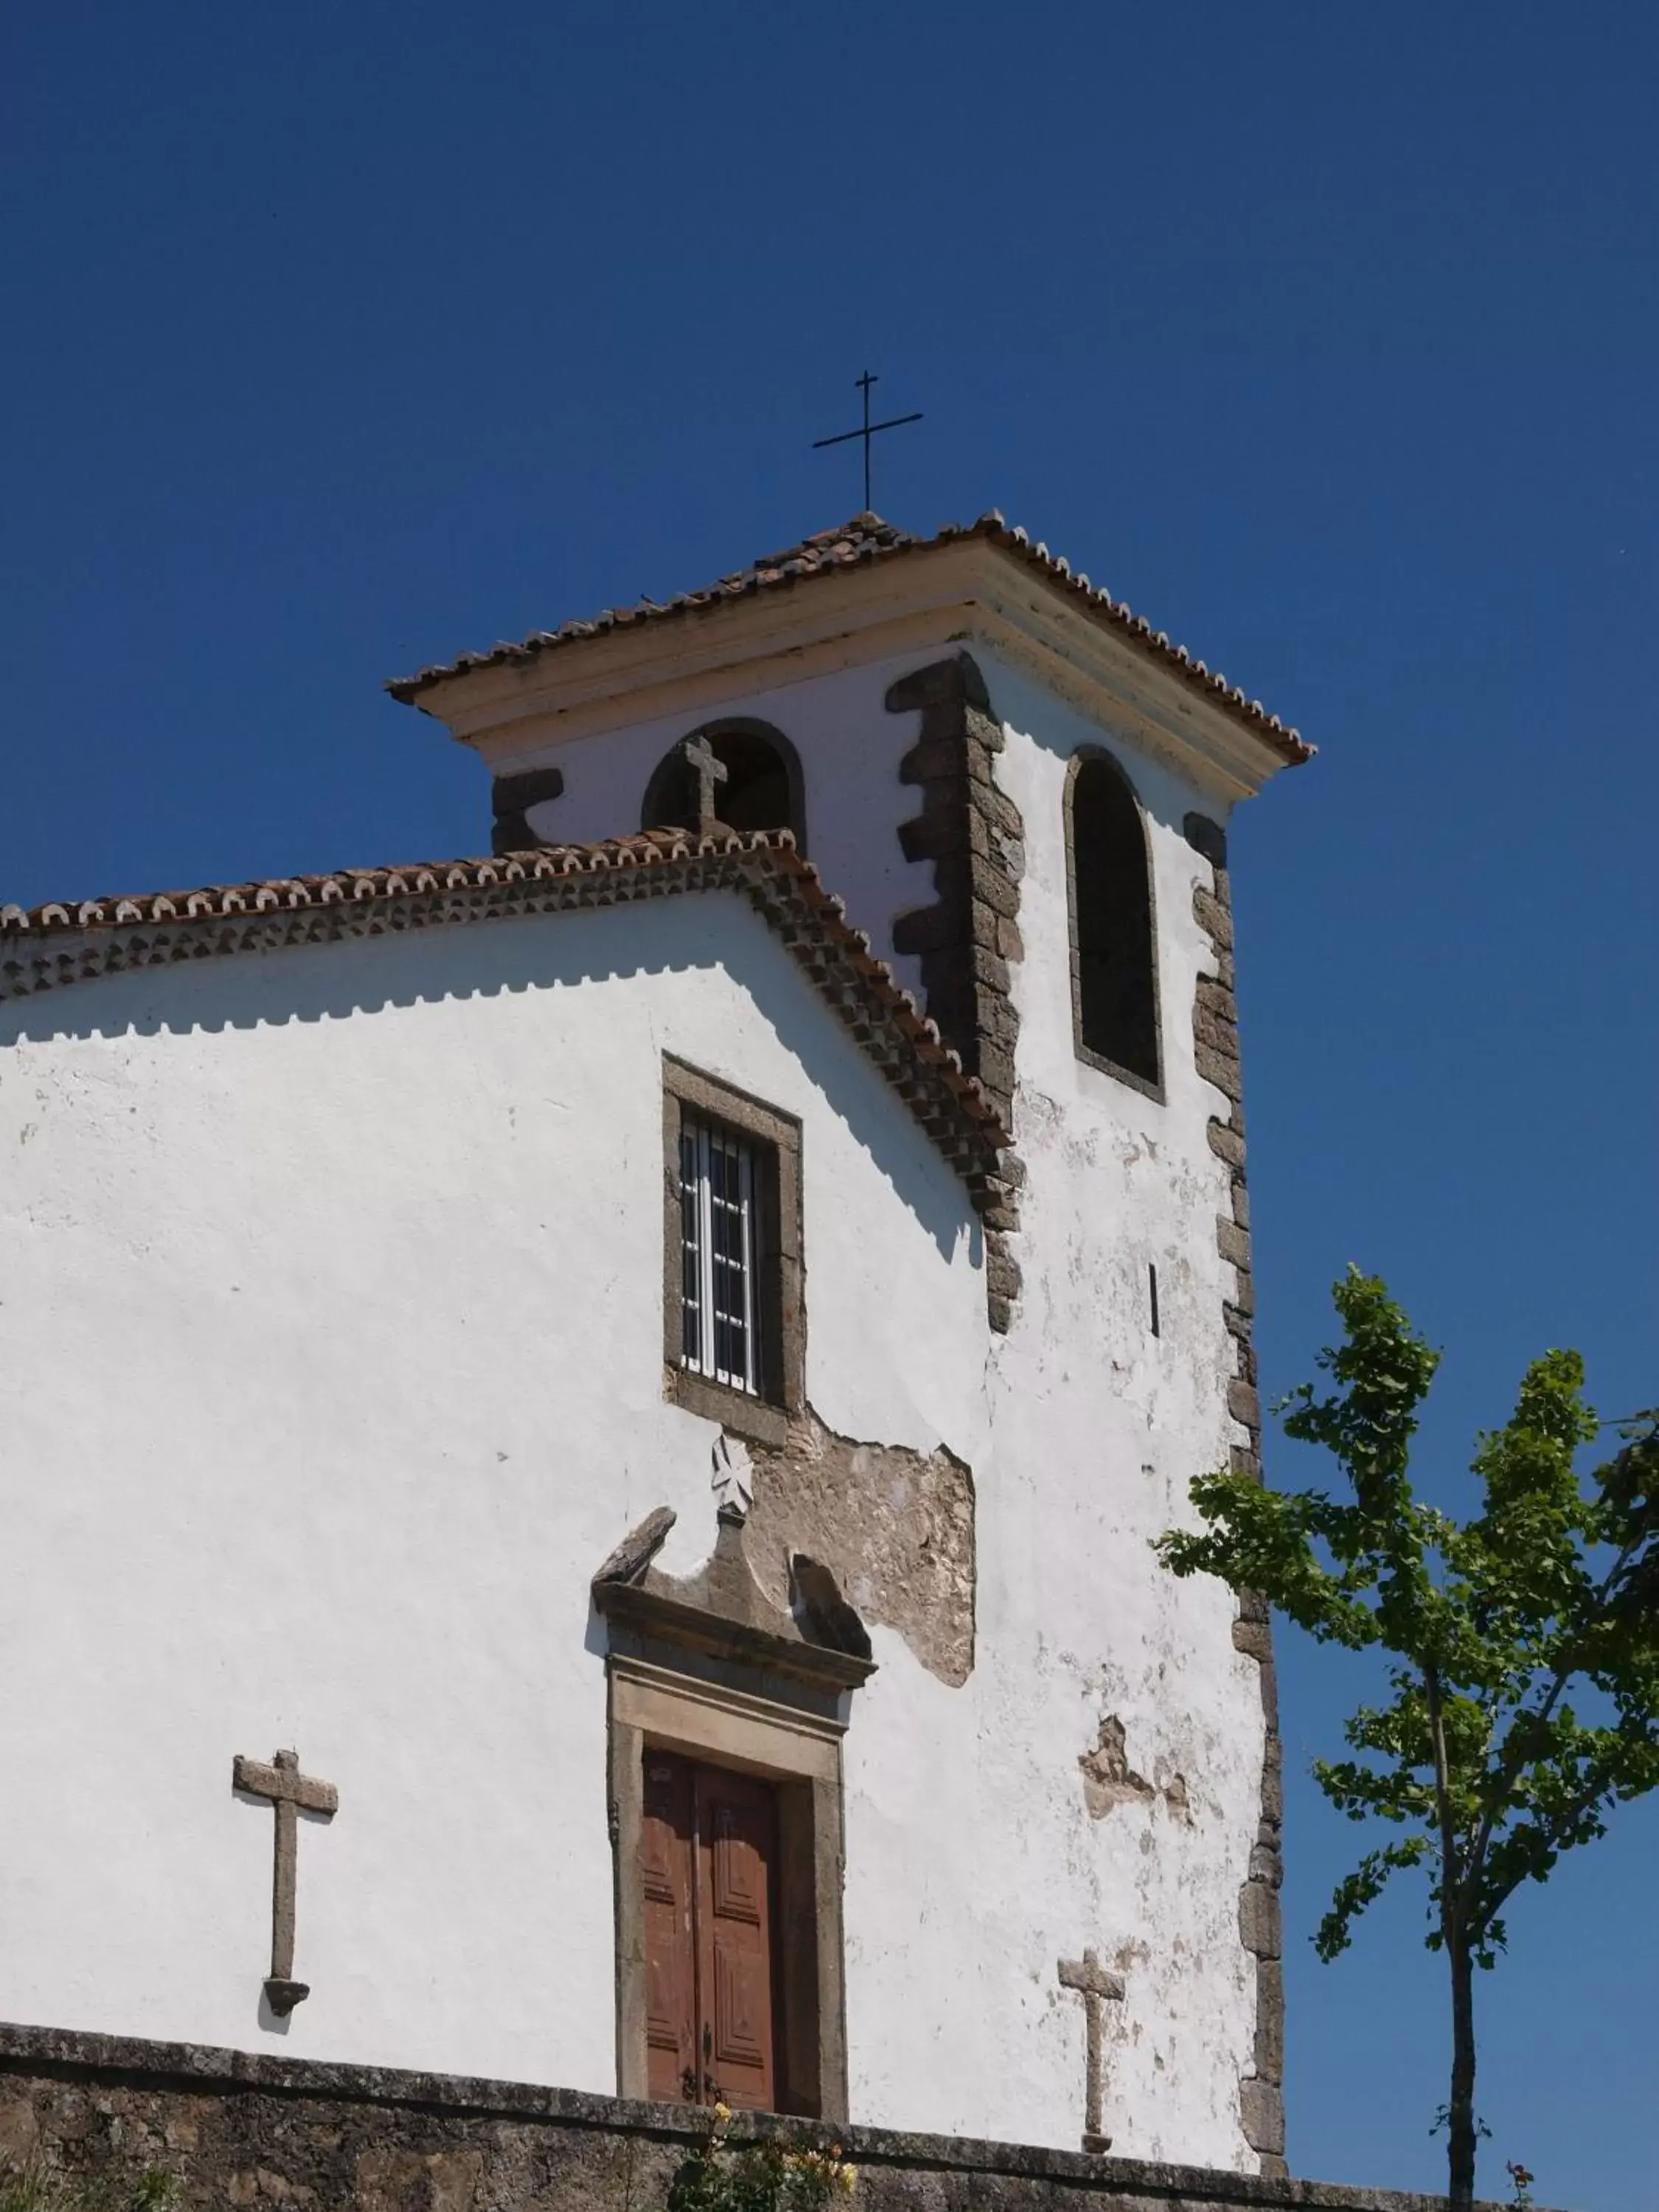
(332, 1360)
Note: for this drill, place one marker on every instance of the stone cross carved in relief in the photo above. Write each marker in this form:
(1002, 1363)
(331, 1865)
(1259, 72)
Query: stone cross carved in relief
(1096, 1985)
(290, 1792)
(710, 772)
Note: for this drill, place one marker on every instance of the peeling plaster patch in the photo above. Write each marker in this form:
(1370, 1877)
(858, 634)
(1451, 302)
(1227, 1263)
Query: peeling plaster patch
(894, 1527)
(1108, 1777)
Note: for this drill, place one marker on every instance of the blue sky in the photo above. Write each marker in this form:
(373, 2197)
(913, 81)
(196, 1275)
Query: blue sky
(337, 339)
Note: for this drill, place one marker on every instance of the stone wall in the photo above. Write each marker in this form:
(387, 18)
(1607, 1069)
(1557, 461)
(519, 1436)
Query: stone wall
(239, 2129)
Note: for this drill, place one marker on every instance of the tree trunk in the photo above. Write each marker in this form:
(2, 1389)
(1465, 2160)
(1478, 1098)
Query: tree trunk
(1460, 2110)
(1460, 2133)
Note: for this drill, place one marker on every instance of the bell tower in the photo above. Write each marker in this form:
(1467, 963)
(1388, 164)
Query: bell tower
(1020, 791)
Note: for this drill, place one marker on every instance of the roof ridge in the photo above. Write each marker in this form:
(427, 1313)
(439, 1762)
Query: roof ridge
(83, 914)
(63, 943)
(868, 537)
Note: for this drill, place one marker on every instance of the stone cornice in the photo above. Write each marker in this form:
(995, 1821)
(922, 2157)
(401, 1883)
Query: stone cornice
(671, 1620)
(988, 587)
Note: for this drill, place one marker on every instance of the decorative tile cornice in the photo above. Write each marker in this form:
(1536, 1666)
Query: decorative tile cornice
(66, 943)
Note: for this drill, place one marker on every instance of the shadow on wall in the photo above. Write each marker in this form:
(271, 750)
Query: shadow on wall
(692, 933)
(1166, 796)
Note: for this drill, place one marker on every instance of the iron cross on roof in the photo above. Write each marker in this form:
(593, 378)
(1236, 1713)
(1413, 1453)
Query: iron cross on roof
(866, 431)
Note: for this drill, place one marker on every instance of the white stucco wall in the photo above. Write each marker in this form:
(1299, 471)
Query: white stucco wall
(331, 1348)
(332, 1329)
(1099, 1427)
(850, 749)
(1097, 1430)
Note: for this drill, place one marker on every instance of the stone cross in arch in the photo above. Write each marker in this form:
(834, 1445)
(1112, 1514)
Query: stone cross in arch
(710, 771)
(1095, 1985)
(290, 1792)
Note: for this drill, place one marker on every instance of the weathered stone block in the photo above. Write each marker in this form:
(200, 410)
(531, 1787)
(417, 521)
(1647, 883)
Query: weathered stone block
(1260, 1923)
(990, 969)
(1220, 1069)
(1267, 1865)
(995, 1070)
(1261, 2114)
(1244, 1405)
(1270, 2019)
(1254, 1637)
(1226, 1143)
(1273, 1784)
(1214, 918)
(1231, 1241)
(994, 889)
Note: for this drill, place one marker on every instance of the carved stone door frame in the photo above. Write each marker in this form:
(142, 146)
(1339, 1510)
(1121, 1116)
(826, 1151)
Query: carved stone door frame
(800, 1752)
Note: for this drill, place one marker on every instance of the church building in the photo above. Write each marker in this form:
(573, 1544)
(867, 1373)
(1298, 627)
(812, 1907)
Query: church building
(584, 1427)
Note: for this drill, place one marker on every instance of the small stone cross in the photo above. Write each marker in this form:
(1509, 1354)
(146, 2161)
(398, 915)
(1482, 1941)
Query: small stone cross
(289, 1791)
(710, 771)
(1088, 1976)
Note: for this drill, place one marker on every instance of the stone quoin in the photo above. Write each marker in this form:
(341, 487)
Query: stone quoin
(698, 1342)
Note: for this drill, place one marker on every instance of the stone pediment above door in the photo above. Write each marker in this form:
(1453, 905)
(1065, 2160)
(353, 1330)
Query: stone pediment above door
(722, 1614)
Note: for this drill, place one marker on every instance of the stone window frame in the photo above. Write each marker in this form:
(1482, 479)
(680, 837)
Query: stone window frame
(780, 1292)
(653, 1707)
(739, 726)
(1148, 1088)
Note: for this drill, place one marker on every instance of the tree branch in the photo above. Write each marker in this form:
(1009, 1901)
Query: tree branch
(1451, 1899)
(1510, 1761)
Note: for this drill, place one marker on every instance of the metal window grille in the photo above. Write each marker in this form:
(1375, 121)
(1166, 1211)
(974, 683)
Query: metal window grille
(719, 1253)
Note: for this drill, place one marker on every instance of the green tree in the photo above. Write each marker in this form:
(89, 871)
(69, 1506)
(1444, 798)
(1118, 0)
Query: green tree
(1479, 1760)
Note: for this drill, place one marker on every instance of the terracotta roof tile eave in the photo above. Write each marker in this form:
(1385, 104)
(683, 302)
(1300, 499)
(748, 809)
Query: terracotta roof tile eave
(858, 544)
(61, 943)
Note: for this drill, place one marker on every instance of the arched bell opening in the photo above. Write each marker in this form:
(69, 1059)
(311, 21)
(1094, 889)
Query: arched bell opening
(761, 789)
(1113, 940)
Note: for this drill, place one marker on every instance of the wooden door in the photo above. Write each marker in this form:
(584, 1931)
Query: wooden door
(709, 1865)
(668, 1869)
(737, 1820)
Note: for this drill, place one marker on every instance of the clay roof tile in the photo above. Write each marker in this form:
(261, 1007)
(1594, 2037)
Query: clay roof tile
(867, 538)
(58, 944)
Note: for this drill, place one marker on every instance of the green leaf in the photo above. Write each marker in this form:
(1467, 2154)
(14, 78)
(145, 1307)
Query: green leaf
(1476, 1764)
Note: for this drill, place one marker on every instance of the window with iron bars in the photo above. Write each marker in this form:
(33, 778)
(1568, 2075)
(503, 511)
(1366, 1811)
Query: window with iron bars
(720, 1320)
